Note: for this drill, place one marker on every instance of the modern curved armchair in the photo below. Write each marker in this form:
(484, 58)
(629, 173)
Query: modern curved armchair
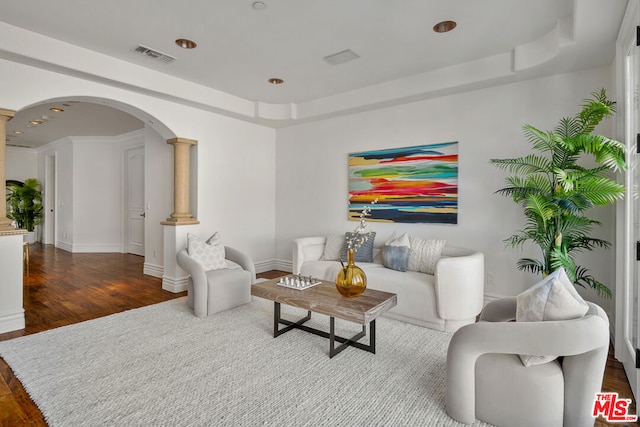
(487, 380)
(213, 291)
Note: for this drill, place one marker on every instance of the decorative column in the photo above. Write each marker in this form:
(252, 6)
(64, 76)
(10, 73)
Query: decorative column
(5, 116)
(181, 214)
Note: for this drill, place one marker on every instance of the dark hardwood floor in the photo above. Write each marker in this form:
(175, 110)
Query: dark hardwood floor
(63, 288)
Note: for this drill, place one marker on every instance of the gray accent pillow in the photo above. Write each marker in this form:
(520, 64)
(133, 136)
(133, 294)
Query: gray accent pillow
(395, 257)
(364, 252)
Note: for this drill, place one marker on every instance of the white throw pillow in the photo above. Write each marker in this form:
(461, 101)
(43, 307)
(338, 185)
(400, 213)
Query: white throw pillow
(403, 240)
(332, 247)
(424, 254)
(553, 298)
(209, 256)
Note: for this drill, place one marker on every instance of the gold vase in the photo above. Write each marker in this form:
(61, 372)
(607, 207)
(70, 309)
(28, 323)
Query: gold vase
(351, 280)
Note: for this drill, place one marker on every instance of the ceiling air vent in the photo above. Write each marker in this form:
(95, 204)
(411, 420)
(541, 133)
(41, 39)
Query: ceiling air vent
(154, 54)
(341, 57)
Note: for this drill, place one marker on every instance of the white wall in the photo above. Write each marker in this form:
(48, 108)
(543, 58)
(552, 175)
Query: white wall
(97, 195)
(237, 187)
(311, 168)
(22, 163)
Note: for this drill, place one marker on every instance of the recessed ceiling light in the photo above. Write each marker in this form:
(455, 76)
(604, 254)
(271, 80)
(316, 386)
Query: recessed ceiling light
(36, 122)
(444, 26)
(18, 132)
(275, 81)
(258, 5)
(186, 43)
(56, 109)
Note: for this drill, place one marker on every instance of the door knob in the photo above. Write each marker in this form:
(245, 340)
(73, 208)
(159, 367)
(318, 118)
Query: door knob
(143, 214)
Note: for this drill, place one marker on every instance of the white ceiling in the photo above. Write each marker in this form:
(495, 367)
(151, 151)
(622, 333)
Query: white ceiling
(77, 119)
(239, 47)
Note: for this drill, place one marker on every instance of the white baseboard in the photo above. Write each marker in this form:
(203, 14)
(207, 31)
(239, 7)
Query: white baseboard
(273, 264)
(65, 246)
(115, 248)
(12, 322)
(282, 265)
(175, 285)
(70, 247)
(262, 266)
(153, 270)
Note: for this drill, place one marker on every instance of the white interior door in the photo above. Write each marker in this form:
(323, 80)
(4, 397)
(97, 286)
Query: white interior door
(627, 307)
(634, 123)
(135, 201)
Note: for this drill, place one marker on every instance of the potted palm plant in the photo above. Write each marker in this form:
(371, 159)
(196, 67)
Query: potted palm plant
(24, 203)
(556, 191)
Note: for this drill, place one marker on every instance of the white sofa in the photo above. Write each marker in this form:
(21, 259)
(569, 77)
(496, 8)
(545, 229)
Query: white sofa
(451, 298)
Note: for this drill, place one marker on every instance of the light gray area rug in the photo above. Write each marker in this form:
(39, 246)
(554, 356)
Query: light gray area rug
(161, 366)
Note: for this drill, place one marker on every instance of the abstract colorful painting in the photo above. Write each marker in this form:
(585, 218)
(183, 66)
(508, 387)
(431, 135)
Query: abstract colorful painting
(412, 184)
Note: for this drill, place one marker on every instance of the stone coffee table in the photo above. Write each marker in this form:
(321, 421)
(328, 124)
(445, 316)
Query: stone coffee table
(325, 299)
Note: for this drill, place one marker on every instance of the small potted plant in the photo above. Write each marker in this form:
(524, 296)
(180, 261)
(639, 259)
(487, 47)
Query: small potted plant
(24, 204)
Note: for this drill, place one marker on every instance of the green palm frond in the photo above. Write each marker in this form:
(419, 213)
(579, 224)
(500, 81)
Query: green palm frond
(561, 258)
(542, 183)
(568, 127)
(541, 141)
(608, 152)
(573, 203)
(518, 190)
(569, 222)
(587, 243)
(564, 156)
(521, 188)
(531, 265)
(601, 191)
(587, 280)
(524, 165)
(594, 110)
(539, 207)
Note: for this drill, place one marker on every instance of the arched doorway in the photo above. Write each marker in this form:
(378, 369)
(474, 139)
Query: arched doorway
(85, 151)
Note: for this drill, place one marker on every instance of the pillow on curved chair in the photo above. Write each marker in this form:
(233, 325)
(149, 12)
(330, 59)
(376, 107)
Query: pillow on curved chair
(209, 254)
(553, 298)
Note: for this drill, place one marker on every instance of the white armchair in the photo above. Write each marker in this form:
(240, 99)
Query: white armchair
(487, 380)
(213, 291)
